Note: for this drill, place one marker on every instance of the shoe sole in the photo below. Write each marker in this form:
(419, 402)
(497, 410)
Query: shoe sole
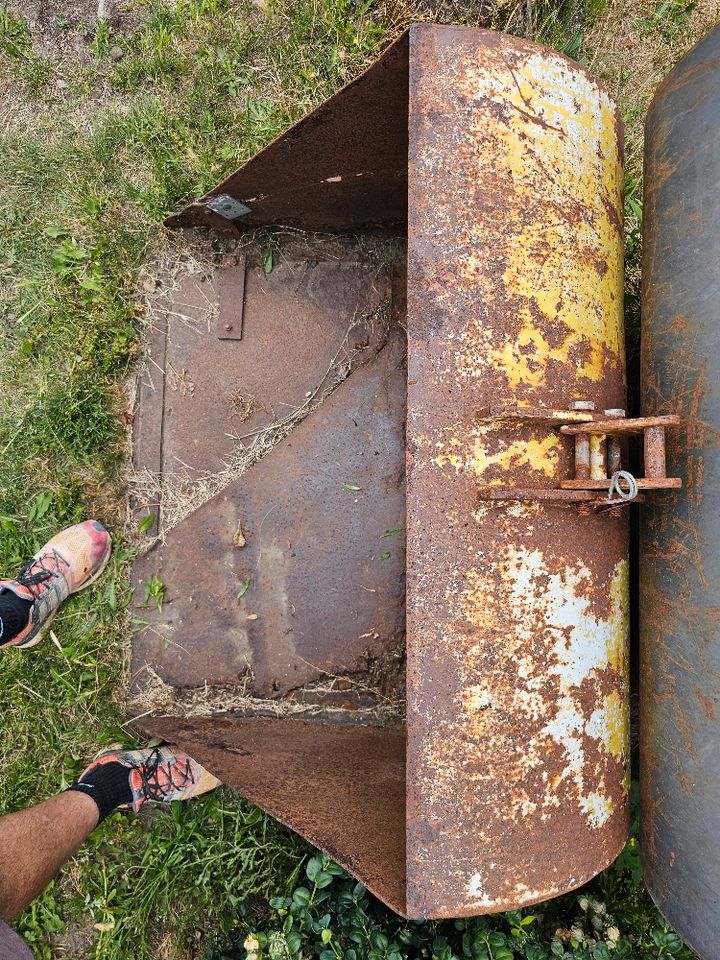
(41, 633)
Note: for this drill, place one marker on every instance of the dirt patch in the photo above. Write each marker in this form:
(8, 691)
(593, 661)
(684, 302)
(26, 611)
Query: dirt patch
(62, 31)
(384, 674)
(76, 940)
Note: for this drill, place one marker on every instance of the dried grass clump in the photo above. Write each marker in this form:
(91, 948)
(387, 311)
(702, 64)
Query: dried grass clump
(154, 697)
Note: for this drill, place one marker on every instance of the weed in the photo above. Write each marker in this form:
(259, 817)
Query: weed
(15, 46)
(332, 917)
(146, 523)
(669, 18)
(220, 849)
(14, 35)
(154, 589)
(101, 41)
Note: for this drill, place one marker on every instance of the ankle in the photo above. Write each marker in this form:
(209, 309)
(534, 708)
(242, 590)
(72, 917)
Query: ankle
(108, 785)
(14, 615)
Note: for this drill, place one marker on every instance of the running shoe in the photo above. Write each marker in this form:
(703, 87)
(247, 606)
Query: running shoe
(68, 563)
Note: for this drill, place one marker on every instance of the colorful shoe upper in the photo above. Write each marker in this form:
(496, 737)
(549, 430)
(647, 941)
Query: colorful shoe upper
(158, 774)
(71, 561)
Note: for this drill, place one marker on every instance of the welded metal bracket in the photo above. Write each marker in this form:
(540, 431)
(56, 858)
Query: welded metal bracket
(228, 207)
(600, 455)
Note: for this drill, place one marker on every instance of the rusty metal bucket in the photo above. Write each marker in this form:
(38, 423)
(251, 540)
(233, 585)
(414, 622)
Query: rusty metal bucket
(680, 573)
(493, 565)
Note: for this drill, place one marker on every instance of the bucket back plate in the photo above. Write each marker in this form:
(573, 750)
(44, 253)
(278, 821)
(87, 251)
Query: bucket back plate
(680, 561)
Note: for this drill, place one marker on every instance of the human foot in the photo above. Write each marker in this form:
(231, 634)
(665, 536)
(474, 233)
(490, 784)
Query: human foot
(68, 563)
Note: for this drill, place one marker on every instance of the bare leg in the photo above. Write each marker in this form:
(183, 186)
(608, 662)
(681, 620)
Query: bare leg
(35, 843)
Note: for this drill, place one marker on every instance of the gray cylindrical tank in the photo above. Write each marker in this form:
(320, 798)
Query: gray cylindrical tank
(680, 553)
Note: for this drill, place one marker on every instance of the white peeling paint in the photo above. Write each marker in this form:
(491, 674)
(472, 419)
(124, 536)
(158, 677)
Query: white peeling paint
(597, 808)
(475, 890)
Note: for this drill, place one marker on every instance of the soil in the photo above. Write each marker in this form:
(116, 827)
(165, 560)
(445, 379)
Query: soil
(385, 672)
(62, 31)
(76, 940)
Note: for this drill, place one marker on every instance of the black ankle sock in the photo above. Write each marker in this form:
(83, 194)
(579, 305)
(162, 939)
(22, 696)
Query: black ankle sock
(109, 786)
(14, 615)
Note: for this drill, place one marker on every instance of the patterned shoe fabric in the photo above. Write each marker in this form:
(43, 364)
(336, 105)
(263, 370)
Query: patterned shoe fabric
(68, 563)
(158, 774)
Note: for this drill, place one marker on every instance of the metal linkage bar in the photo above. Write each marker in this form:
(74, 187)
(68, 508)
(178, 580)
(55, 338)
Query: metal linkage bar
(602, 439)
(598, 452)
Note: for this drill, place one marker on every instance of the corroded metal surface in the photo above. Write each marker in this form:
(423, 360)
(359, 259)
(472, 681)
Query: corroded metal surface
(315, 583)
(517, 617)
(517, 610)
(654, 452)
(341, 787)
(299, 327)
(619, 426)
(231, 306)
(680, 561)
(343, 166)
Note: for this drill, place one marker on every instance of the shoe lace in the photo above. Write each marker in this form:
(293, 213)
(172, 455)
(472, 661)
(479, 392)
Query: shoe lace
(36, 571)
(177, 775)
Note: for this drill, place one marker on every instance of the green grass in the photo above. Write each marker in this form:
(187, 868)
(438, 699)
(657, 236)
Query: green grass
(16, 47)
(89, 171)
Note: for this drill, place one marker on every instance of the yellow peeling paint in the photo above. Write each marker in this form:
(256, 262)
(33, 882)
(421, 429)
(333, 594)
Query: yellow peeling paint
(617, 720)
(557, 281)
(619, 610)
(539, 455)
(452, 458)
(555, 154)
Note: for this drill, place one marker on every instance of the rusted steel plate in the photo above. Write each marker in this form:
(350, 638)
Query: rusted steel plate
(517, 615)
(680, 562)
(341, 787)
(535, 493)
(232, 300)
(299, 327)
(317, 587)
(535, 413)
(148, 420)
(344, 165)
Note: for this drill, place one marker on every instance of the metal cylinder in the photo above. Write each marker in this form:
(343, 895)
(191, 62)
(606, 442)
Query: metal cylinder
(517, 612)
(680, 561)
(598, 459)
(614, 444)
(582, 456)
(654, 444)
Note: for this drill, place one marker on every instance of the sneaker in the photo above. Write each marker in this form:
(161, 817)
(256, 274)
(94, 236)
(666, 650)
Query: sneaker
(68, 563)
(157, 774)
